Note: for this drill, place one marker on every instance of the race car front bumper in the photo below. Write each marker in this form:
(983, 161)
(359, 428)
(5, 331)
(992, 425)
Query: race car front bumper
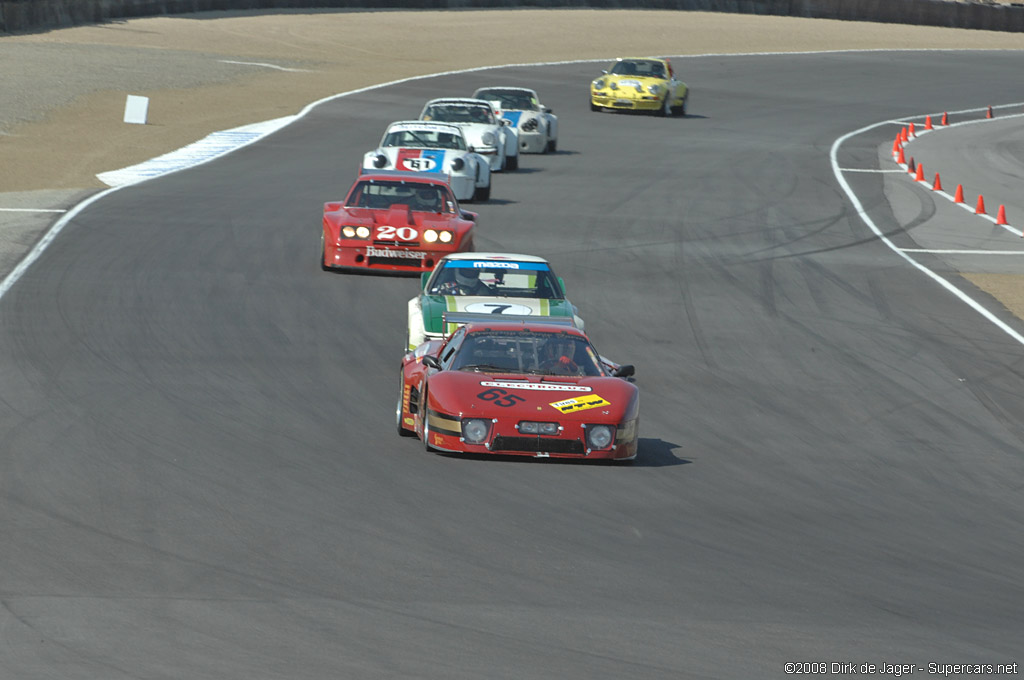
(647, 102)
(386, 258)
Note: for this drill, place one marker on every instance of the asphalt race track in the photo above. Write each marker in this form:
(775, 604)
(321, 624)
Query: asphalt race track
(200, 476)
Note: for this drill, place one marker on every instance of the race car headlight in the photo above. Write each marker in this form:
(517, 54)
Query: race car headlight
(445, 236)
(600, 436)
(475, 430)
(488, 138)
(458, 164)
(430, 236)
(531, 427)
(654, 89)
(355, 232)
(530, 125)
(614, 85)
(380, 161)
(599, 84)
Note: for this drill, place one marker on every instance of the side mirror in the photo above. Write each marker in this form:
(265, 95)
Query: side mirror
(604, 72)
(424, 277)
(471, 149)
(430, 361)
(547, 109)
(471, 216)
(623, 371)
(506, 122)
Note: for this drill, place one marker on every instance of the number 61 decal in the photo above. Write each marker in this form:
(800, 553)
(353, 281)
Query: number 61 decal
(500, 397)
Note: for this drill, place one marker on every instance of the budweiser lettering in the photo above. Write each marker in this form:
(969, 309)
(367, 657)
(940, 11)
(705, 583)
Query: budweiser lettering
(387, 252)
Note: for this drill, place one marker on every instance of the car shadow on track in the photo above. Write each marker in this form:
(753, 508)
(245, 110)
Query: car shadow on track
(652, 453)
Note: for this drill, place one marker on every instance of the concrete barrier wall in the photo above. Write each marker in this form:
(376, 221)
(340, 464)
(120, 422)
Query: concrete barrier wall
(37, 15)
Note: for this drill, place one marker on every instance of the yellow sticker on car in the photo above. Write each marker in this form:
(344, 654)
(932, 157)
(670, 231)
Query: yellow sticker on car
(580, 403)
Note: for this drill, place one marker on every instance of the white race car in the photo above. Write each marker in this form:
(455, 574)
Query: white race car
(537, 125)
(486, 133)
(441, 148)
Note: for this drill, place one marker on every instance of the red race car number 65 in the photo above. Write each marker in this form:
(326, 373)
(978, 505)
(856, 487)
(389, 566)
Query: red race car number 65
(500, 397)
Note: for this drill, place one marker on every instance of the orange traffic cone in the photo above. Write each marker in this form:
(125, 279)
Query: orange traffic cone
(958, 197)
(945, 118)
(928, 123)
(910, 166)
(1001, 215)
(919, 175)
(989, 114)
(904, 135)
(937, 184)
(912, 133)
(980, 208)
(901, 158)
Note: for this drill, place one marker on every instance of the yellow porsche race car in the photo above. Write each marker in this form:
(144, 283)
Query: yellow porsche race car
(639, 84)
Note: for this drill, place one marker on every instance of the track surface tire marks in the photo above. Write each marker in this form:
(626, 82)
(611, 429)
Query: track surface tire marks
(202, 478)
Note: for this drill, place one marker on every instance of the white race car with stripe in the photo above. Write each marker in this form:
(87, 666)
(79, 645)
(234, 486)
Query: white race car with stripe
(485, 132)
(537, 125)
(437, 148)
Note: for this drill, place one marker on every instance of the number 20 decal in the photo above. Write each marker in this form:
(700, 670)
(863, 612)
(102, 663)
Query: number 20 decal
(401, 233)
(500, 397)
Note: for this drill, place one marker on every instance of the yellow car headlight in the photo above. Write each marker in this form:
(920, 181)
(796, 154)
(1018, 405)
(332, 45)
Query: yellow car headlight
(363, 232)
(446, 237)
(430, 236)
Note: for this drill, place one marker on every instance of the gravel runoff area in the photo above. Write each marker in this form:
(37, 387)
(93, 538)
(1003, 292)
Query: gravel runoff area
(64, 90)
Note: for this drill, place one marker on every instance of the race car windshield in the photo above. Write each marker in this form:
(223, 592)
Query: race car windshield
(381, 195)
(529, 280)
(424, 139)
(513, 100)
(459, 113)
(640, 68)
(527, 352)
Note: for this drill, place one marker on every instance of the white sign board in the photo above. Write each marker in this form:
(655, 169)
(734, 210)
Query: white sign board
(135, 109)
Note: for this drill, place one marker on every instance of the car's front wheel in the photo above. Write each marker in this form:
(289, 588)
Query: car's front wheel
(666, 108)
(424, 413)
(512, 163)
(681, 109)
(323, 254)
(482, 194)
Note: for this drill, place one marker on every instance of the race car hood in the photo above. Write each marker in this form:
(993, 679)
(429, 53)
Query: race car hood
(412, 159)
(398, 215)
(433, 306)
(626, 85)
(545, 398)
(513, 116)
(474, 133)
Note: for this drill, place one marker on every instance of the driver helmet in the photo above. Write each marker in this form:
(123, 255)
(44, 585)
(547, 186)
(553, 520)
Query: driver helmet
(467, 277)
(427, 196)
(560, 349)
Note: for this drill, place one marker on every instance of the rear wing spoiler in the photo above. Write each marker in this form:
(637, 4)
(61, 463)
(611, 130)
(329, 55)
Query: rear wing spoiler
(459, 318)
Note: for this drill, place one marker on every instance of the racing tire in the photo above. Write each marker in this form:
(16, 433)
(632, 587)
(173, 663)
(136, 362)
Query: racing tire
(482, 194)
(323, 255)
(512, 163)
(593, 106)
(426, 425)
(402, 432)
(552, 146)
(666, 109)
(681, 109)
